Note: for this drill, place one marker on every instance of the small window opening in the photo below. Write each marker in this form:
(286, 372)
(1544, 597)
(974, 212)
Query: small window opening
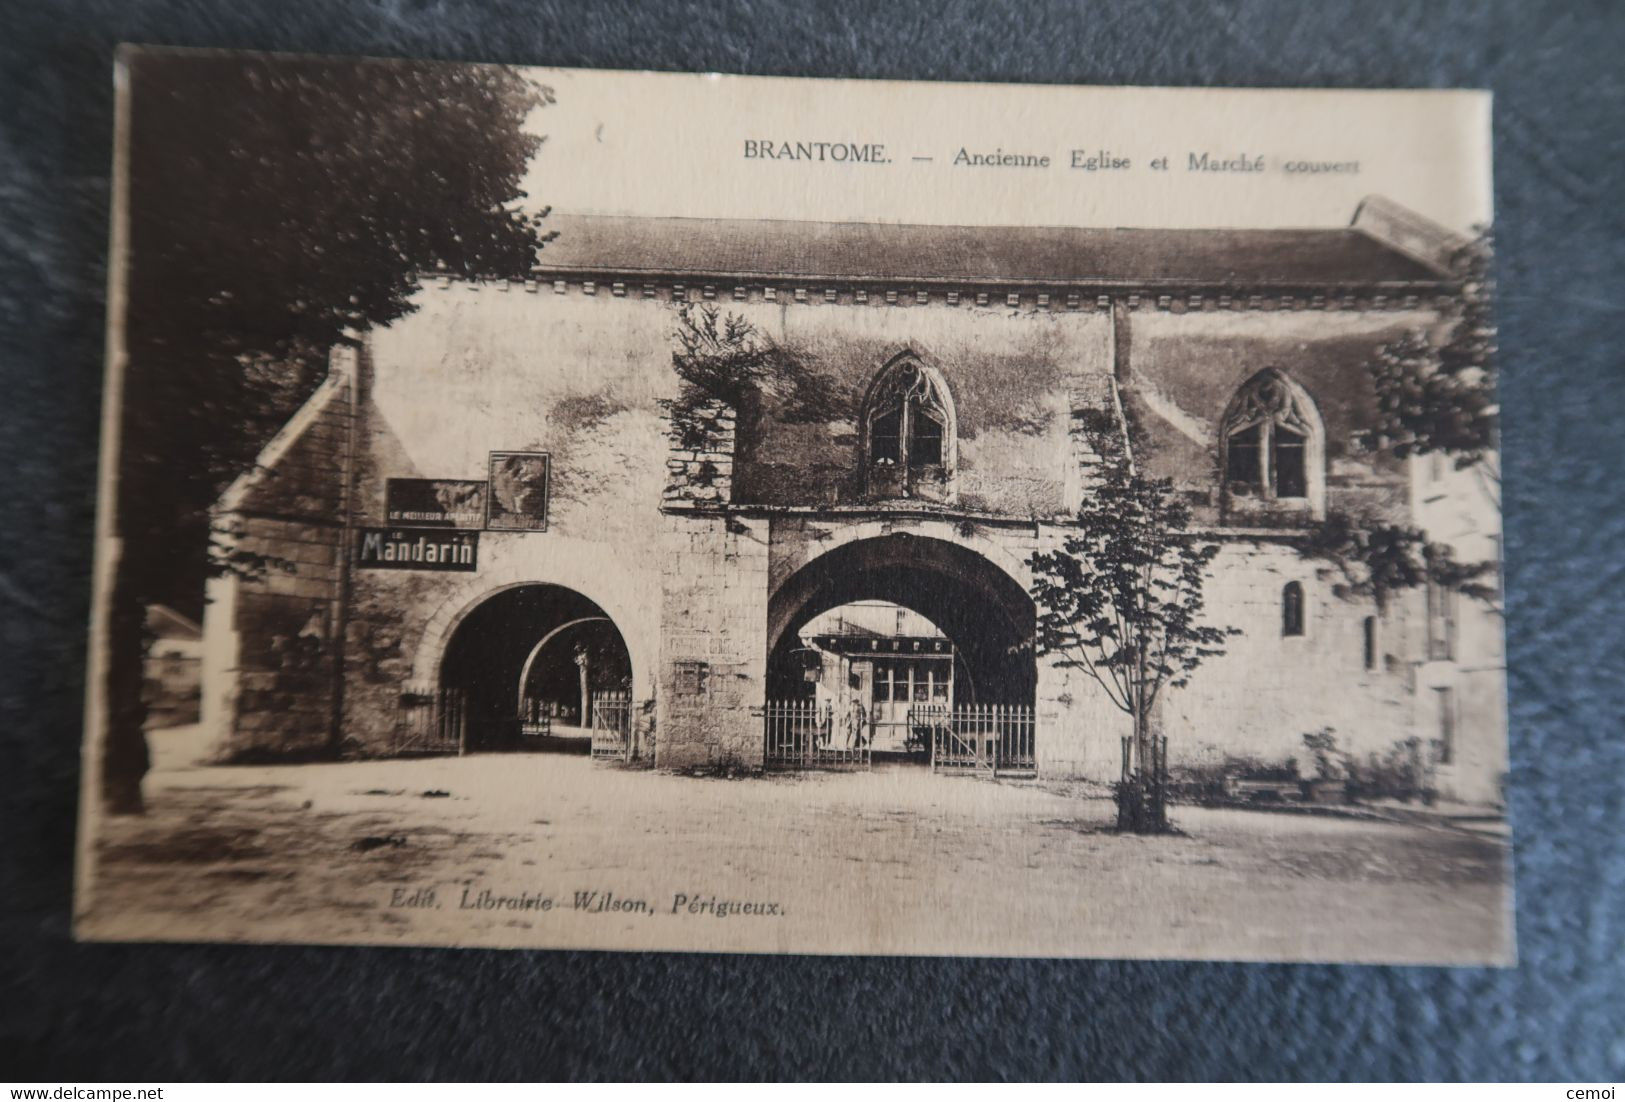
(1245, 469)
(1447, 724)
(1441, 610)
(909, 419)
(885, 437)
(1288, 464)
(1271, 444)
(925, 445)
(1292, 609)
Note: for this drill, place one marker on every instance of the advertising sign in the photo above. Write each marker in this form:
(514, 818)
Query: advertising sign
(438, 502)
(519, 491)
(417, 549)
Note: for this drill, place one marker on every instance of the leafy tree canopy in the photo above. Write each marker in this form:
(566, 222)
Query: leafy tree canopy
(1378, 560)
(1441, 398)
(1122, 598)
(276, 205)
(723, 358)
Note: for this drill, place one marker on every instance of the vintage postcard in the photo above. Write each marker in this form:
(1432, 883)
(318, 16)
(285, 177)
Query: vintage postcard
(642, 511)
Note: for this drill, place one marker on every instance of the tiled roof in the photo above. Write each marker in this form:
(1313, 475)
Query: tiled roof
(727, 248)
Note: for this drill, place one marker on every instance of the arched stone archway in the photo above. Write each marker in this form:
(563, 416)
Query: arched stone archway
(558, 635)
(626, 591)
(985, 611)
(1000, 554)
(512, 685)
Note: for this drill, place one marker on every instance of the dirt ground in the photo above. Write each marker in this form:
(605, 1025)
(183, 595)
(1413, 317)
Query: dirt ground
(503, 849)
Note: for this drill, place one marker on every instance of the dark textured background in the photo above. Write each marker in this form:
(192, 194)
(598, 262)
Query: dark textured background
(75, 1012)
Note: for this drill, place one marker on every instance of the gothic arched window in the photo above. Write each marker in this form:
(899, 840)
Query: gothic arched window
(908, 430)
(1272, 447)
(1292, 609)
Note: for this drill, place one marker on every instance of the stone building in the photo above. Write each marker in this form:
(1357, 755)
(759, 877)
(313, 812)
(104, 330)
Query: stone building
(873, 668)
(487, 504)
(171, 674)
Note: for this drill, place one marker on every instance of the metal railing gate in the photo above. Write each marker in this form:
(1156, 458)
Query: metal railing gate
(612, 726)
(988, 738)
(996, 739)
(802, 735)
(433, 722)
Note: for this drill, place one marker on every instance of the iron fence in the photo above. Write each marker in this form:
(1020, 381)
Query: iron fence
(535, 719)
(990, 738)
(432, 723)
(612, 726)
(802, 735)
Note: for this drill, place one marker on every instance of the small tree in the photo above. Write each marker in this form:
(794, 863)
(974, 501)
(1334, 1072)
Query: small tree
(1435, 398)
(720, 359)
(1122, 601)
(1378, 559)
(724, 358)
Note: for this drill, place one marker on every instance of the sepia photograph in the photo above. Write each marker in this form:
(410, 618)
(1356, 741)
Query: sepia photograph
(583, 509)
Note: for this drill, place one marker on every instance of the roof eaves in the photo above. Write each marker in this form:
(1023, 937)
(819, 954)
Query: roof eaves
(1102, 283)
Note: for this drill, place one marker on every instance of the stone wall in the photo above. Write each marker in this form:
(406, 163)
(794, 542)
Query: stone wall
(1268, 690)
(401, 622)
(270, 676)
(700, 471)
(713, 642)
(1462, 508)
(482, 368)
(1009, 371)
(684, 548)
(1178, 371)
(578, 377)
